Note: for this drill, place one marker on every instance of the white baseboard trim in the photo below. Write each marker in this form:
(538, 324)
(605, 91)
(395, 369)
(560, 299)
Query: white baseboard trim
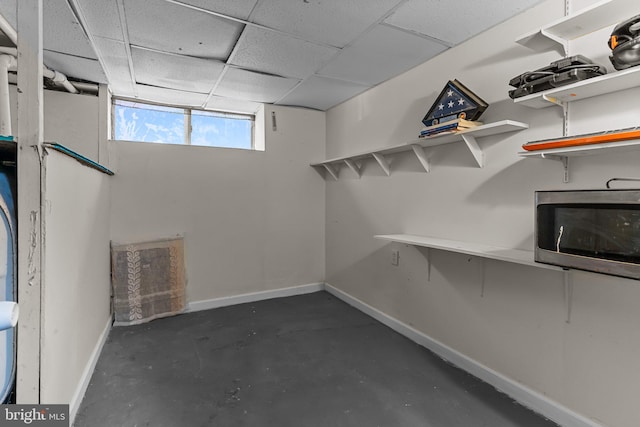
(522, 394)
(81, 389)
(254, 296)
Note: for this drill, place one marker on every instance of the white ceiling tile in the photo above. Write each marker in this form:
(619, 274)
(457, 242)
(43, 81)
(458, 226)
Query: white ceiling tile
(170, 96)
(175, 71)
(250, 86)
(113, 54)
(62, 32)
(455, 21)
(165, 26)
(322, 93)
(317, 29)
(122, 89)
(276, 53)
(333, 22)
(103, 18)
(237, 9)
(380, 54)
(75, 66)
(232, 105)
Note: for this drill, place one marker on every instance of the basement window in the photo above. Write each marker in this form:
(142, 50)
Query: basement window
(140, 122)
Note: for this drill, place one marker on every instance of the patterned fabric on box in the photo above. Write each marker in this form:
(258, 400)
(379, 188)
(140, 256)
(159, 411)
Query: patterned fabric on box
(148, 280)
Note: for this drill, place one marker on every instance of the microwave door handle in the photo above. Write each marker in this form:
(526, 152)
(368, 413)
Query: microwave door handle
(560, 231)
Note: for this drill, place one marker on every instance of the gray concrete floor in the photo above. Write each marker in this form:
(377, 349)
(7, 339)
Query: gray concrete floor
(307, 360)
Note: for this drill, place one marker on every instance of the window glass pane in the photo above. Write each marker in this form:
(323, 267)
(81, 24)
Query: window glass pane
(221, 130)
(148, 123)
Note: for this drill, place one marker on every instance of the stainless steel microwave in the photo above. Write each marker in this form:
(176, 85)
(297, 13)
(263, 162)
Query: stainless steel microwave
(593, 230)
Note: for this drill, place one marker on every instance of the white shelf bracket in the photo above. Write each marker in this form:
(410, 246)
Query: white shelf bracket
(353, 166)
(568, 293)
(418, 150)
(332, 171)
(475, 149)
(560, 45)
(565, 165)
(382, 161)
(555, 101)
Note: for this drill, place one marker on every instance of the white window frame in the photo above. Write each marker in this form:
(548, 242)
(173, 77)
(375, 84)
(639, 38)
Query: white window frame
(188, 128)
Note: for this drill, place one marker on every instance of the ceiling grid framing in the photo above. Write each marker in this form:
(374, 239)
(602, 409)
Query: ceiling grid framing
(127, 45)
(337, 53)
(308, 53)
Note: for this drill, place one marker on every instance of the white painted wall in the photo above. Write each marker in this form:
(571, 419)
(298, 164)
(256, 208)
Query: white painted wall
(517, 328)
(76, 278)
(70, 120)
(252, 220)
(76, 275)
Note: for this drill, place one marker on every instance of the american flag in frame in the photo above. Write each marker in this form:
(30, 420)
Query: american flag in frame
(455, 101)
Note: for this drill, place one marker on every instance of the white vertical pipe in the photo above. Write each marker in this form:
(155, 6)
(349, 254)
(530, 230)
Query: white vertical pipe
(6, 62)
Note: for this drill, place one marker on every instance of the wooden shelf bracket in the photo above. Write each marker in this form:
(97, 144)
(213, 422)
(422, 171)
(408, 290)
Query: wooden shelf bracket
(475, 149)
(382, 161)
(353, 166)
(332, 170)
(418, 150)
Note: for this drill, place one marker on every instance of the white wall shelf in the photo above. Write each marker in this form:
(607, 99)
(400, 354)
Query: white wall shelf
(584, 89)
(564, 153)
(583, 150)
(418, 146)
(517, 256)
(557, 34)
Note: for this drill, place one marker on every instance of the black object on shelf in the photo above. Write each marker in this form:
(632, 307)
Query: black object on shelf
(559, 73)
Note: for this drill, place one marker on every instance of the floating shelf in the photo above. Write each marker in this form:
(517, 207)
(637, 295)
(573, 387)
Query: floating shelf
(584, 89)
(516, 256)
(556, 35)
(418, 146)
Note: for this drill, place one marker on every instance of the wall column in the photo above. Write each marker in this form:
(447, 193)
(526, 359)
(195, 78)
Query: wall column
(30, 137)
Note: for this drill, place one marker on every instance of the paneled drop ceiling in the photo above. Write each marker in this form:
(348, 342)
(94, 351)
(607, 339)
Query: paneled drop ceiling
(235, 55)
